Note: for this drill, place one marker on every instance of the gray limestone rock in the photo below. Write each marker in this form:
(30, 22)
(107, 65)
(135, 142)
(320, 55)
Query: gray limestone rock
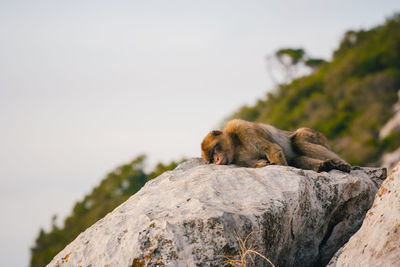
(197, 214)
(377, 243)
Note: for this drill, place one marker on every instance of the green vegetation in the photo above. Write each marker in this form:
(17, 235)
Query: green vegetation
(297, 56)
(113, 190)
(349, 98)
(391, 142)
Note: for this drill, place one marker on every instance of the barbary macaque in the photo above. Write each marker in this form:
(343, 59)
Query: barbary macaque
(256, 145)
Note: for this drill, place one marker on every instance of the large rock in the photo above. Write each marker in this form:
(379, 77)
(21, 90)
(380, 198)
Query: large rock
(377, 243)
(197, 214)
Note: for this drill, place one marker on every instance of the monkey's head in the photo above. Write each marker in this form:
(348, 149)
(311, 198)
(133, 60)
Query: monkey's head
(217, 148)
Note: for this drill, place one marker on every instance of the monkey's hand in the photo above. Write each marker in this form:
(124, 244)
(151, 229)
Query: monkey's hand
(260, 163)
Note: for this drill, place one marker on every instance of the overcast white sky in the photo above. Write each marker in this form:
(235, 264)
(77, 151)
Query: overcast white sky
(88, 85)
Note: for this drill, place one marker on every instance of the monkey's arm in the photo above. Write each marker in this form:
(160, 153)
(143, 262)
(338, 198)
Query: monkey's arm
(274, 153)
(260, 163)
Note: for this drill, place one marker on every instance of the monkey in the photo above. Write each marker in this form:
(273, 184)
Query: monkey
(256, 145)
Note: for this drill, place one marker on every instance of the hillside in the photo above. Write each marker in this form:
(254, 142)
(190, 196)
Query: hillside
(348, 99)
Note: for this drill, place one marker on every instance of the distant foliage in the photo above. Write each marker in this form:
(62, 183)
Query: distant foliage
(392, 141)
(287, 64)
(349, 98)
(295, 55)
(113, 190)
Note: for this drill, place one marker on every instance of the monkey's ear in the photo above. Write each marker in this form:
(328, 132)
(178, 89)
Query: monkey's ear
(216, 132)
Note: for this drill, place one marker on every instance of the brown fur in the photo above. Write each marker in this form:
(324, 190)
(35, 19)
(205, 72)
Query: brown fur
(250, 144)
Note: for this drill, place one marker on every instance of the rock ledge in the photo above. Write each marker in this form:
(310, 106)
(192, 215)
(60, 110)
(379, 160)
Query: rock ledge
(195, 214)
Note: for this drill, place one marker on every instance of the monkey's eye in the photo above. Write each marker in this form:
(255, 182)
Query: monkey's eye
(217, 148)
(211, 158)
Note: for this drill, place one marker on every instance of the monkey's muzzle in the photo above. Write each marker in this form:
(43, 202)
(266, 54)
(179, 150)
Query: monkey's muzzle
(220, 159)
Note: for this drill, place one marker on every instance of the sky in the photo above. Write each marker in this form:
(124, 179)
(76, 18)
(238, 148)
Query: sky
(88, 85)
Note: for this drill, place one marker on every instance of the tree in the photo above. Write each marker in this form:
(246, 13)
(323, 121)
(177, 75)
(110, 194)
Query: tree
(288, 63)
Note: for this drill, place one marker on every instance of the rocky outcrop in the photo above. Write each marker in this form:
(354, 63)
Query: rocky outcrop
(377, 243)
(393, 124)
(197, 215)
(390, 159)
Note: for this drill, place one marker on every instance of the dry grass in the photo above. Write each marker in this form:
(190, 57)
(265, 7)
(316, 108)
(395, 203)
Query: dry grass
(245, 253)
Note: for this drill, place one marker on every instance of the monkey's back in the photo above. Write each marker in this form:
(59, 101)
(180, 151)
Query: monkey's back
(251, 130)
(282, 138)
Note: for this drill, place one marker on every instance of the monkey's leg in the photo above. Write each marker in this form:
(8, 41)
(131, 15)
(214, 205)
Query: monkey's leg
(318, 152)
(313, 144)
(311, 136)
(315, 151)
(304, 162)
